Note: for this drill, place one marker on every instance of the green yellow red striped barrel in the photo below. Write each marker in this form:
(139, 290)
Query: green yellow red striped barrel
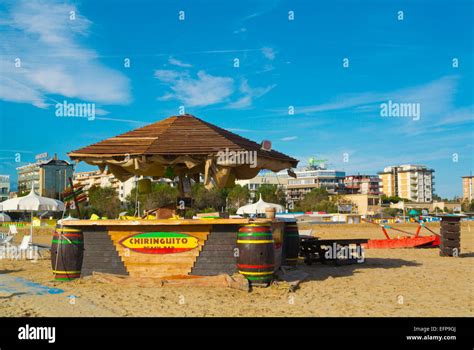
(67, 251)
(291, 243)
(256, 260)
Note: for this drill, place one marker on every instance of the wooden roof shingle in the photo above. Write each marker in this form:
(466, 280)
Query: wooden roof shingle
(176, 135)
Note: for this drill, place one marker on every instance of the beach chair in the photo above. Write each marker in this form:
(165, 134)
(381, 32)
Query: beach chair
(6, 239)
(24, 247)
(25, 243)
(12, 230)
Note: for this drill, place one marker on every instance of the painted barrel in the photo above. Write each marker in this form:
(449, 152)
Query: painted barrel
(67, 251)
(291, 243)
(256, 260)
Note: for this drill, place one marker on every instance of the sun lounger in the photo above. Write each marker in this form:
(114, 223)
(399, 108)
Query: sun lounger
(6, 239)
(12, 230)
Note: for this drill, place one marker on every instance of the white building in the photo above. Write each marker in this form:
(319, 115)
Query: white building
(96, 178)
(264, 178)
(4, 187)
(314, 177)
(413, 182)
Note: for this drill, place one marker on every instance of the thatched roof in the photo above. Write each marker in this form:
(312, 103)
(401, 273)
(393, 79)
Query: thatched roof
(177, 135)
(188, 145)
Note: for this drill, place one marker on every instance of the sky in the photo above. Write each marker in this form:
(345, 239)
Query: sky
(246, 66)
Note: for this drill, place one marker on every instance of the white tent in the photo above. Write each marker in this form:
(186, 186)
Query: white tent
(32, 202)
(258, 207)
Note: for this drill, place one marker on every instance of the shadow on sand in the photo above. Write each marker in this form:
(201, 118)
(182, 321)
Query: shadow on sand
(4, 272)
(319, 272)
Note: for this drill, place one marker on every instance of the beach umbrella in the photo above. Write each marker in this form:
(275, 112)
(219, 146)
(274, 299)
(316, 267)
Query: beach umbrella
(258, 207)
(413, 212)
(32, 203)
(185, 147)
(4, 217)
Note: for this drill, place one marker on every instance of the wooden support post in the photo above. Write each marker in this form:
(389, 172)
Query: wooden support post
(75, 199)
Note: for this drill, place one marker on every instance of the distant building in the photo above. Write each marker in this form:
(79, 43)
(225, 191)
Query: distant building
(99, 179)
(264, 178)
(413, 182)
(468, 187)
(48, 177)
(366, 204)
(4, 187)
(362, 184)
(314, 177)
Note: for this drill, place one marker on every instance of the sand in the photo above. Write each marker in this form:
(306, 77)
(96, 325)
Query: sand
(392, 282)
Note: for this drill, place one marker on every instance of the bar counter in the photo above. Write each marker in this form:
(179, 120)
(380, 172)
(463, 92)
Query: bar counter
(160, 248)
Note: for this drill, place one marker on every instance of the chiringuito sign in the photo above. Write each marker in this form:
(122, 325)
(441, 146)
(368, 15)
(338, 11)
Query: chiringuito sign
(160, 242)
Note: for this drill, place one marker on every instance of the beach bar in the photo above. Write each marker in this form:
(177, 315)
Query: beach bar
(164, 248)
(186, 148)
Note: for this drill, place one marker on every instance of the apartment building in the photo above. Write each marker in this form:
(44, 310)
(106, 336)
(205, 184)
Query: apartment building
(413, 182)
(468, 187)
(96, 178)
(49, 177)
(362, 184)
(4, 187)
(314, 177)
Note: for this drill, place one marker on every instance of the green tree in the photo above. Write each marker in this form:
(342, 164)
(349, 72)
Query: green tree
(161, 195)
(392, 199)
(271, 194)
(317, 200)
(391, 212)
(104, 201)
(466, 206)
(238, 196)
(207, 200)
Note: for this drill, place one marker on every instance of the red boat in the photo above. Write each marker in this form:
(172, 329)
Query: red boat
(416, 241)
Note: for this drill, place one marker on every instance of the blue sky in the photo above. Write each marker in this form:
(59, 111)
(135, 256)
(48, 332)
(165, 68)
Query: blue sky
(283, 63)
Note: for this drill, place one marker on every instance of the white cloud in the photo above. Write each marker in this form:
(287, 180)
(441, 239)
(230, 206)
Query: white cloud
(204, 90)
(249, 94)
(269, 53)
(289, 138)
(241, 30)
(53, 59)
(176, 62)
(435, 97)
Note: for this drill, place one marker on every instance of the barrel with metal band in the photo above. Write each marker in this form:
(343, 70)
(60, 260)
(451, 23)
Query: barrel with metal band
(256, 259)
(67, 251)
(291, 243)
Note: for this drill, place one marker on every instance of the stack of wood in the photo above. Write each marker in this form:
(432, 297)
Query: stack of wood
(450, 237)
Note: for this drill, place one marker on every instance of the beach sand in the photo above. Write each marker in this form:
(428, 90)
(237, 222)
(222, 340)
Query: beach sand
(391, 282)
